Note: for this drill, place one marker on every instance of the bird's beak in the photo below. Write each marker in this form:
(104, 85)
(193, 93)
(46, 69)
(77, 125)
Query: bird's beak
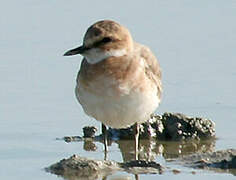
(78, 50)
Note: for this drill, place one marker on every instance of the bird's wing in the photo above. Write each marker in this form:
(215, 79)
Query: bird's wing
(152, 67)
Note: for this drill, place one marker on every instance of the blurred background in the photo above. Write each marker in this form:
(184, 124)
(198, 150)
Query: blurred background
(195, 43)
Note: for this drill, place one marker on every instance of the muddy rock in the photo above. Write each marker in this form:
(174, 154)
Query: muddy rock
(178, 126)
(89, 131)
(80, 167)
(166, 127)
(77, 167)
(142, 167)
(170, 126)
(219, 161)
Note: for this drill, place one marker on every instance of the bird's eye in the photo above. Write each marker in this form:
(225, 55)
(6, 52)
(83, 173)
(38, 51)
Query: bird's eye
(106, 40)
(102, 42)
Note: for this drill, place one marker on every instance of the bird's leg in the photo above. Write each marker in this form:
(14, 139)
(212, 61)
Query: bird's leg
(136, 136)
(104, 133)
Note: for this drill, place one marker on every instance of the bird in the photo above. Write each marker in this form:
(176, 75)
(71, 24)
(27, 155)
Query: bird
(119, 81)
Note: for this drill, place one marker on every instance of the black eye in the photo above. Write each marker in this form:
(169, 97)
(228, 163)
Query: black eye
(106, 40)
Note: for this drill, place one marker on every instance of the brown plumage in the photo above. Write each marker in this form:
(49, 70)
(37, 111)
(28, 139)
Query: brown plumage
(119, 82)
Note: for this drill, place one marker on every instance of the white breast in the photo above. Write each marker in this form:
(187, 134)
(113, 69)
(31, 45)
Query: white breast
(118, 111)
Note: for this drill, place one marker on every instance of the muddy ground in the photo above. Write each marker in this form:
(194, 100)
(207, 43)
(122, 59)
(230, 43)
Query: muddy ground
(194, 137)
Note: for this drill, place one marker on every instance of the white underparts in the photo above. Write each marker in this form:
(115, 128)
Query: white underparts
(96, 55)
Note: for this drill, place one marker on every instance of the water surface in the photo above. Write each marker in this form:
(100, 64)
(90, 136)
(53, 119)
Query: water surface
(194, 41)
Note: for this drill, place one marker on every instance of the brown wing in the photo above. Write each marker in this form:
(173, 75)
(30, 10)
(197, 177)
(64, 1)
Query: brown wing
(152, 67)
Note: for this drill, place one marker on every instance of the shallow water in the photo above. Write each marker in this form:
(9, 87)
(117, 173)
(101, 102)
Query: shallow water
(194, 42)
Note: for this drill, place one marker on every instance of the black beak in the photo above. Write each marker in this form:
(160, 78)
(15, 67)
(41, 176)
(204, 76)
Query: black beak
(78, 50)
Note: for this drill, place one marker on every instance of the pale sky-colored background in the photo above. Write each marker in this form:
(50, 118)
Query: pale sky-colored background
(195, 42)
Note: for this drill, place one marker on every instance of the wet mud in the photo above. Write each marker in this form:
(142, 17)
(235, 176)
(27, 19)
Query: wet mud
(188, 141)
(76, 167)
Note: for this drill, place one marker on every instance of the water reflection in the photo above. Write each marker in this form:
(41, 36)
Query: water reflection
(149, 149)
(89, 146)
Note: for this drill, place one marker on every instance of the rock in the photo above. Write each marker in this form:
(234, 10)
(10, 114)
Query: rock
(220, 161)
(142, 167)
(71, 138)
(170, 126)
(176, 171)
(89, 131)
(178, 126)
(77, 167)
(171, 129)
(80, 167)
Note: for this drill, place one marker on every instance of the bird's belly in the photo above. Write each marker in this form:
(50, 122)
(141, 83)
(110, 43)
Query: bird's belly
(118, 109)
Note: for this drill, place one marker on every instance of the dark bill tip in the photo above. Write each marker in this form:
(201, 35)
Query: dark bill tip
(78, 50)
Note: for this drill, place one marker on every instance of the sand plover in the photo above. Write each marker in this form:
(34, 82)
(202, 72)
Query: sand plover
(119, 81)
